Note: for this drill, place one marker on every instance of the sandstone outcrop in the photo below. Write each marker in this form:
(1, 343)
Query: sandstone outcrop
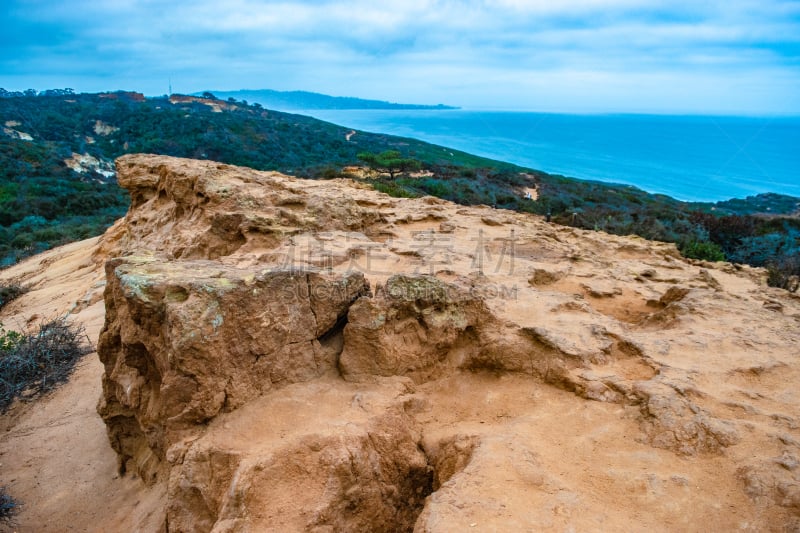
(322, 457)
(290, 355)
(185, 341)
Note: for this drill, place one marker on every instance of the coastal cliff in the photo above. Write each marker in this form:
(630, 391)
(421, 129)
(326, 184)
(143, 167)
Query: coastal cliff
(293, 355)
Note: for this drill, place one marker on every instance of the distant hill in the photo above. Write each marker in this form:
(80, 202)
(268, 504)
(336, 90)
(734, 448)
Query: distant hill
(300, 100)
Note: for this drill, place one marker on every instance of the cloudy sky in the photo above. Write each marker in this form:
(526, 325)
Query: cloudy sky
(712, 56)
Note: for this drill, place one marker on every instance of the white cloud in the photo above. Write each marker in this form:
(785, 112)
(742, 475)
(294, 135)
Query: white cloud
(605, 54)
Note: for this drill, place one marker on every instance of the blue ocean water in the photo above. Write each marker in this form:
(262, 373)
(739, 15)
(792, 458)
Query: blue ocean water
(700, 158)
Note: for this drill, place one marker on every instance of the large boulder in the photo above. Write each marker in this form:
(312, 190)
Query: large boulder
(184, 341)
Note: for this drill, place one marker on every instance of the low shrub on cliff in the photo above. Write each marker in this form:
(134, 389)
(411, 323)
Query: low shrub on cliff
(31, 364)
(10, 291)
(393, 189)
(784, 273)
(8, 508)
(706, 251)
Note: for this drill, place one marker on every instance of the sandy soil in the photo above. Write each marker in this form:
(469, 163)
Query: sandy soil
(54, 453)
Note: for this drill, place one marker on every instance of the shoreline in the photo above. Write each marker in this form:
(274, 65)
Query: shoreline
(689, 158)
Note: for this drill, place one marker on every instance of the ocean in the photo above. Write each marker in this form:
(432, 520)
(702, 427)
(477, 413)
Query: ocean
(695, 158)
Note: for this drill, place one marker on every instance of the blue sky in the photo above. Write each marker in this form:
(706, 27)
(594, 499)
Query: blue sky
(734, 56)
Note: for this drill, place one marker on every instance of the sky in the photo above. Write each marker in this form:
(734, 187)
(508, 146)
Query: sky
(698, 56)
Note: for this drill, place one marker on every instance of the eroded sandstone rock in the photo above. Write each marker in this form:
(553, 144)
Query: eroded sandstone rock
(249, 366)
(184, 341)
(219, 210)
(415, 325)
(355, 464)
(673, 422)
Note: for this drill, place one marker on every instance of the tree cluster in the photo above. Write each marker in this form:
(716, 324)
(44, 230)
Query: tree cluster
(389, 162)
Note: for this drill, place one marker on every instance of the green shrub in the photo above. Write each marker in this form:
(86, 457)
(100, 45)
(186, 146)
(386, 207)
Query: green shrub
(326, 173)
(468, 173)
(434, 187)
(31, 364)
(393, 189)
(703, 250)
(9, 340)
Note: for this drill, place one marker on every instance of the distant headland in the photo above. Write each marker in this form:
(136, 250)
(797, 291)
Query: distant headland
(301, 100)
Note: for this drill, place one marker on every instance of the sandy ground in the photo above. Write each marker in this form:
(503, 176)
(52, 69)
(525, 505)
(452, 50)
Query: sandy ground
(54, 454)
(534, 194)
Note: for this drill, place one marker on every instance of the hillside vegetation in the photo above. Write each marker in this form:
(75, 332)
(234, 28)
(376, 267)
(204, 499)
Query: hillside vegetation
(57, 183)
